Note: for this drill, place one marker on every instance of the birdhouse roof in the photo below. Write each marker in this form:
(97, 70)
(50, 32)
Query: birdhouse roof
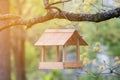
(53, 37)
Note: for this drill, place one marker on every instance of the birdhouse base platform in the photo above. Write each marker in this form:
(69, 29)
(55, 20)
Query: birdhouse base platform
(60, 65)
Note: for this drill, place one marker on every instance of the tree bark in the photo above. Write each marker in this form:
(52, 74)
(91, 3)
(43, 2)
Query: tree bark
(18, 46)
(4, 44)
(59, 14)
(19, 54)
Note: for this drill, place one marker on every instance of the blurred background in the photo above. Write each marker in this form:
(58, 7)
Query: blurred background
(102, 38)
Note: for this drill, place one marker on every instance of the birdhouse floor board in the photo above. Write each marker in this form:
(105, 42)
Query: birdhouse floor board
(51, 65)
(60, 65)
(72, 65)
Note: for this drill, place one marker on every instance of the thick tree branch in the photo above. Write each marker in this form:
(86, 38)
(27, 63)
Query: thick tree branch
(98, 17)
(29, 22)
(8, 16)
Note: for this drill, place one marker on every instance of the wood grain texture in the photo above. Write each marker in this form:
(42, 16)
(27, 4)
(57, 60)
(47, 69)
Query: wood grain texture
(57, 53)
(72, 65)
(51, 65)
(64, 53)
(77, 51)
(53, 37)
(60, 65)
(43, 54)
(59, 37)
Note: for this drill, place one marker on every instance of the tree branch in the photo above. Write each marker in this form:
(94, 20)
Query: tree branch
(8, 16)
(46, 2)
(98, 17)
(58, 2)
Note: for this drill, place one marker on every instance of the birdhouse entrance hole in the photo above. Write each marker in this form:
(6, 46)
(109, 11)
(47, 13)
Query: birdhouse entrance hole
(57, 38)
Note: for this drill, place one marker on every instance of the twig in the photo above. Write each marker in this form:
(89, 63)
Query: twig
(58, 2)
(61, 1)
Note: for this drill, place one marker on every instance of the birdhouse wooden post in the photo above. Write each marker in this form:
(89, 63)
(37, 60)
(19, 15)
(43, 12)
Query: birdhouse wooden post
(60, 37)
(57, 53)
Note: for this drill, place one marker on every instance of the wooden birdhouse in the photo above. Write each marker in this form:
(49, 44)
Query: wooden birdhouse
(64, 38)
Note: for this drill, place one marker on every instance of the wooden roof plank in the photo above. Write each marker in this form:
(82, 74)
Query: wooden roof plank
(59, 37)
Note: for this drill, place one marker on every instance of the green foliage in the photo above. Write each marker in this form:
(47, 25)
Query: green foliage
(31, 56)
(108, 34)
(28, 8)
